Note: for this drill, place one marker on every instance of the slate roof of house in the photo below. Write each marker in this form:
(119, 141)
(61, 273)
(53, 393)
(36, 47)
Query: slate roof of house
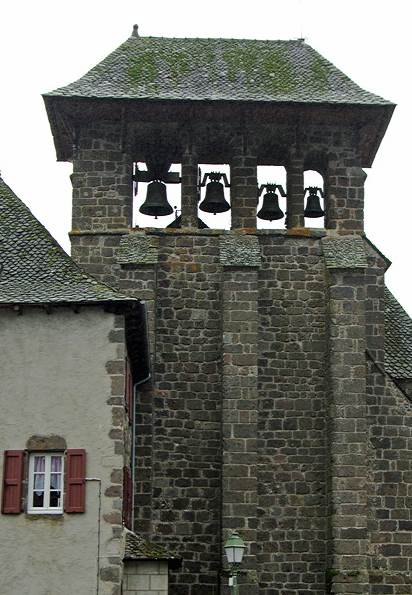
(34, 269)
(398, 339)
(218, 69)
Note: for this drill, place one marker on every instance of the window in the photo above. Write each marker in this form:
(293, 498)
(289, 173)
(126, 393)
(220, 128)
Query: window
(171, 199)
(55, 481)
(272, 203)
(45, 483)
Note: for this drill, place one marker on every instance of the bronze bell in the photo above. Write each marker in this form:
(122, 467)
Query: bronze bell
(156, 204)
(214, 201)
(313, 208)
(270, 210)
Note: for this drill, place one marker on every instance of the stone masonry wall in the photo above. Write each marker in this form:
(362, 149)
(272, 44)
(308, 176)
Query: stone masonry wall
(346, 429)
(256, 414)
(143, 577)
(101, 179)
(240, 400)
(292, 454)
(187, 408)
(178, 430)
(178, 423)
(179, 414)
(375, 303)
(179, 437)
(390, 485)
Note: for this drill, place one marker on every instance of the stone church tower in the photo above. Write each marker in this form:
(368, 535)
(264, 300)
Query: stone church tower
(269, 409)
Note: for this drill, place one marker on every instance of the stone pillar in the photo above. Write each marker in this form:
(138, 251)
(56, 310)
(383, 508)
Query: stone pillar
(243, 195)
(137, 256)
(102, 180)
(295, 192)
(240, 258)
(346, 421)
(189, 189)
(344, 197)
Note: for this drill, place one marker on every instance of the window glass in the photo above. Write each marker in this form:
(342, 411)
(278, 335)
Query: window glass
(45, 483)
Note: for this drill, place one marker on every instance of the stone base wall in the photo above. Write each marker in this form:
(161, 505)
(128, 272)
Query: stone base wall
(268, 294)
(217, 308)
(390, 485)
(145, 577)
(291, 513)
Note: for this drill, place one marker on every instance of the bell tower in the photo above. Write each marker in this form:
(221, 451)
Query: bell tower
(258, 335)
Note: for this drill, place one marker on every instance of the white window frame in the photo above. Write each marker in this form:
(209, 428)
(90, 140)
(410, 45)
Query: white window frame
(46, 508)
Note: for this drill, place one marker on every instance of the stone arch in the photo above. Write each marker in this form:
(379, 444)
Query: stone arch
(51, 442)
(272, 153)
(317, 161)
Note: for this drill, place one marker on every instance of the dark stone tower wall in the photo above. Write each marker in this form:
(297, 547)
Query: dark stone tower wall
(102, 169)
(263, 413)
(292, 416)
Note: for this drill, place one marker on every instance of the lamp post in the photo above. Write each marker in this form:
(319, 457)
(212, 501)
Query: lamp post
(234, 548)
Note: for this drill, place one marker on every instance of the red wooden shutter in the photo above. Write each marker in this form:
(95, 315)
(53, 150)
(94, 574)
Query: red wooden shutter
(75, 480)
(128, 396)
(127, 498)
(12, 481)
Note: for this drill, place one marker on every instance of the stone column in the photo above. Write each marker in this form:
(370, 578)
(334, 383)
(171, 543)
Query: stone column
(295, 192)
(102, 199)
(102, 180)
(240, 259)
(243, 195)
(346, 421)
(137, 256)
(345, 197)
(189, 189)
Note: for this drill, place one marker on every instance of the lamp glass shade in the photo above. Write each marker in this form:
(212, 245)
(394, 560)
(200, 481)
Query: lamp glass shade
(234, 548)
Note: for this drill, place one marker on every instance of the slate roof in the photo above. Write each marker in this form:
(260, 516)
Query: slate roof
(398, 339)
(218, 69)
(137, 548)
(34, 269)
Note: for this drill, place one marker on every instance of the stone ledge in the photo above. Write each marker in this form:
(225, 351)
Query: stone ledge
(240, 251)
(344, 252)
(138, 250)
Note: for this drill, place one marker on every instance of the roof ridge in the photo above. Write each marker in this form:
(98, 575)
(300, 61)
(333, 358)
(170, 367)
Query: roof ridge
(143, 37)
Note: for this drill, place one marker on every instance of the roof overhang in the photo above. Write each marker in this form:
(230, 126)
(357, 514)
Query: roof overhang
(134, 311)
(67, 115)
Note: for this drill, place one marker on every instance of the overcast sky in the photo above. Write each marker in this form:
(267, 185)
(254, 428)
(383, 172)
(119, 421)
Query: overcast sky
(43, 47)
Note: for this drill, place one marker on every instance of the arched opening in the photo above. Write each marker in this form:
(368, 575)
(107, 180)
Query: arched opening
(271, 209)
(313, 184)
(155, 198)
(214, 194)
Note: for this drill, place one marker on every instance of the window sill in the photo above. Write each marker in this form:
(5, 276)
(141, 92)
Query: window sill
(52, 516)
(46, 511)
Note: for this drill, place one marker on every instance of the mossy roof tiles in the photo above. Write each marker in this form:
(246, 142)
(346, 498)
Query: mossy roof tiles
(398, 339)
(137, 548)
(218, 69)
(34, 269)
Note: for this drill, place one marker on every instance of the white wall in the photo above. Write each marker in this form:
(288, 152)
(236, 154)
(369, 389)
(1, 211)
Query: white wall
(54, 381)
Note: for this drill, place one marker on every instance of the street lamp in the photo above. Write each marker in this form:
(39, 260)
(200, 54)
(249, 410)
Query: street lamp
(234, 548)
